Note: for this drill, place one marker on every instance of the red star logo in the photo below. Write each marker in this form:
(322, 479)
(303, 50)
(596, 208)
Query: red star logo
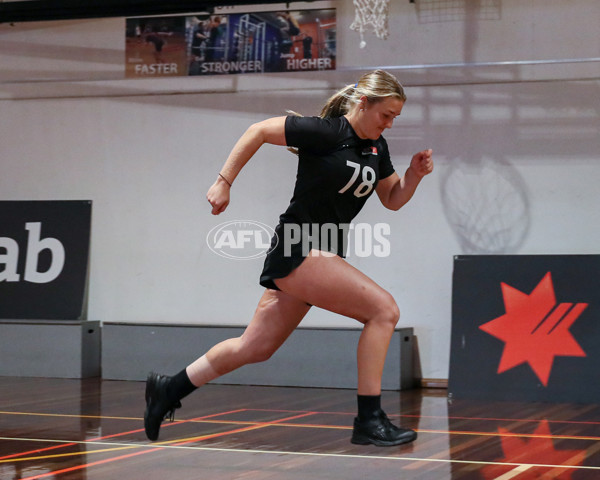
(539, 450)
(535, 329)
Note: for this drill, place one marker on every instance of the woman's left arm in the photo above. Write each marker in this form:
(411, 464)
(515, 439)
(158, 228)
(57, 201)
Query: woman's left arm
(394, 192)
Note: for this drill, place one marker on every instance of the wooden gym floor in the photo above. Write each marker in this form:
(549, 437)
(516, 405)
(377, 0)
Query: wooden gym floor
(93, 429)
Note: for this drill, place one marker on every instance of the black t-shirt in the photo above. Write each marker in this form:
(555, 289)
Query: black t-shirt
(337, 173)
(337, 170)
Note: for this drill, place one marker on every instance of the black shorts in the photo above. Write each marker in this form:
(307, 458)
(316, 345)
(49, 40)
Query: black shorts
(277, 264)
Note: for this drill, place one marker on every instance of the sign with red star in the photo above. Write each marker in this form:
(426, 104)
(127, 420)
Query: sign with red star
(526, 328)
(535, 329)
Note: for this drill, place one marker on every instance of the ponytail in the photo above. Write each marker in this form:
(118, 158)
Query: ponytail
(338, 104)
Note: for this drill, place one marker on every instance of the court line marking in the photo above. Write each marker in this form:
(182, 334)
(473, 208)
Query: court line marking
(114, 435)
(491, 419)
(513, 473)
(420, 430)
(524, 420)
(69, 415)
(181, 443)
(307, 425)
(73, 454)
(283, 423)
(80, 467)
(122, 457)
(153, 446)
(510, 434)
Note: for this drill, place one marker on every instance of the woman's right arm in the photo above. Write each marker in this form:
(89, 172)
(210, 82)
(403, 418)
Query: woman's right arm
(270, 131)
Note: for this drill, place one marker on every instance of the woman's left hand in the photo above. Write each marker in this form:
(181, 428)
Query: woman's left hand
(422, 163)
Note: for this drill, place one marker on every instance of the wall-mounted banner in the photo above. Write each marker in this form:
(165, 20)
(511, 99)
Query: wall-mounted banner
(219, 44)
(526, 328)
(44, 247)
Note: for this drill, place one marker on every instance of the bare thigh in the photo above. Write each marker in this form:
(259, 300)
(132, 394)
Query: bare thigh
(328, 281)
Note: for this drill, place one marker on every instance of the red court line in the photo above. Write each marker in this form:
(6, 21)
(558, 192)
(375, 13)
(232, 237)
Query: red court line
(254, 426)
(92, 464)
(195, 439)
(114, 435)
(200, 438)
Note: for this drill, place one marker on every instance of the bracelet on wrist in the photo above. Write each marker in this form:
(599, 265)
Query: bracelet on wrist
(226, 181)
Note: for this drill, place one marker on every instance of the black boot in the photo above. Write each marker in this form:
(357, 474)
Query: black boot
(378, 430)
(158, 404)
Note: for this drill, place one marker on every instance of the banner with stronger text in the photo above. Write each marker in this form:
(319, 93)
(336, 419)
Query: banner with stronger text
(230, 43)
(44, 247)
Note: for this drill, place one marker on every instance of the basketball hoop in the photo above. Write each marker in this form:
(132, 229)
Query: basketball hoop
(373, 13)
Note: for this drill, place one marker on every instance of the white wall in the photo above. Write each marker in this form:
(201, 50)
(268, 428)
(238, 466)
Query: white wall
(516, 147)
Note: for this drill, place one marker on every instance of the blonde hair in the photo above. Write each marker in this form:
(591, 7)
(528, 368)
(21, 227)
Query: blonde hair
(376, 86)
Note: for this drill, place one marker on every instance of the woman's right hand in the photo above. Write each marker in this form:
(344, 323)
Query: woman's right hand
(218, 196)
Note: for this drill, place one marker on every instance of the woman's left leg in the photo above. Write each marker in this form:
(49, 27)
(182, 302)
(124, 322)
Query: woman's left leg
(331, 283)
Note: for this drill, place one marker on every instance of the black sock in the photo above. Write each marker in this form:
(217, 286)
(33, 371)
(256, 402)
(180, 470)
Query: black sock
(180, 386)
(368, 406)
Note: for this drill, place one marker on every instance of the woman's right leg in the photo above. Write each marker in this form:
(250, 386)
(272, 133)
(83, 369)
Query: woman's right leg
(275, 318)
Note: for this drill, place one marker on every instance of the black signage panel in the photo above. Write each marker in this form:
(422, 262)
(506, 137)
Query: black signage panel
(44, 248)
(526, 328)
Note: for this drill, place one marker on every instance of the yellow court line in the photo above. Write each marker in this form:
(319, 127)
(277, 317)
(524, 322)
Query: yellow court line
(303, 425)
(128, 446)
(62, 455)
(282, 424)
(420, 430)
(521, 466)
(120, 446)
(67, 415)
(511, 434)
(320, 426)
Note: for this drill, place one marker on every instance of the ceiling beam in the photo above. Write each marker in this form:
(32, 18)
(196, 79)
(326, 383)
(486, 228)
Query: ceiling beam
(43, 10)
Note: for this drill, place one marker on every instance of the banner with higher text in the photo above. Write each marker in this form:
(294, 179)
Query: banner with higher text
(234, 43)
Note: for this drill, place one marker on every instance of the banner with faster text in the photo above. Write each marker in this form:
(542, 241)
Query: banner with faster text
(234, 43)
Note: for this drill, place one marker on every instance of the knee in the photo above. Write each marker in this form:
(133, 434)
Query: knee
(262, 354)
(389, 313)
(395, 313)
(257, 351)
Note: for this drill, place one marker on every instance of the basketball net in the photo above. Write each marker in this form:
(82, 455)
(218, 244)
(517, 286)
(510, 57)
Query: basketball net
(373, 13)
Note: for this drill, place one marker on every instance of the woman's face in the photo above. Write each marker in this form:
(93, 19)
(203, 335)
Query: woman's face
(377, 116)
